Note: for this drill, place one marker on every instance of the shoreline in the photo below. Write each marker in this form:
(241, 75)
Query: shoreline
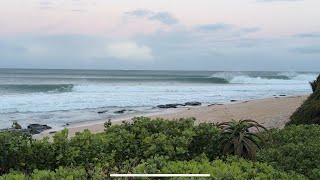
(271, 112)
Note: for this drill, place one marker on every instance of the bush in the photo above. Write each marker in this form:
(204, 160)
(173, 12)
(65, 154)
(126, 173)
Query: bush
(119, 147)
(206, 140)
(294, 148)
(60, 173)
(315, 84)
(232, 168)
(155, 146)
(15, 151)
(309, 112)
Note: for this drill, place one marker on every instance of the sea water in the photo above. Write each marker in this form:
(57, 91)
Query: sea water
(57, 97)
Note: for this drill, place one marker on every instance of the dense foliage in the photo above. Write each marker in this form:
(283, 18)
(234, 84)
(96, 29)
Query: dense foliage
(294, 148)
(315, 84)
(309, 112)
(145, 145)
(231, 168)
(119, 148)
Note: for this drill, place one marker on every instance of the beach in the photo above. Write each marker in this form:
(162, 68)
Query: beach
(270, 112)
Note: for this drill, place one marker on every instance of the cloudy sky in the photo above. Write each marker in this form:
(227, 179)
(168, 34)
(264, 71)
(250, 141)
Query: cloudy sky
(161, 34)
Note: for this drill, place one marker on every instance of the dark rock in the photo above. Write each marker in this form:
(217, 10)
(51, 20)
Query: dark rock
(15, 125)
(195, 103)
(233, 100)
(166, 106)
(52, 132)
(170, 106)
(120, 112)
(37, 128)
(282, 95)
(67, 124)
(101, 112)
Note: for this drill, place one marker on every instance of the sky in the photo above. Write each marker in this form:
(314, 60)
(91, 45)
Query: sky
(228, 35)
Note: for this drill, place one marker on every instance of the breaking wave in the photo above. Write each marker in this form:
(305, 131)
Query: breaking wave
(280, 78)
(34, 88)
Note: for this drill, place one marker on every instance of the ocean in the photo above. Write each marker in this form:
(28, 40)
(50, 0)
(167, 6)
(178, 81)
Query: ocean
(57, 97)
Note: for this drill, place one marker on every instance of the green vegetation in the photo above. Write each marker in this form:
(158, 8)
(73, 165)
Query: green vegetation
(309, 112)
(146, 145)
(294, 148)
(315, 84)
(238, 140)
(231, 168)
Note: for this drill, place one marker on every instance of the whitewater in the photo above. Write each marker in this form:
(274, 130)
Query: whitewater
(57, 97)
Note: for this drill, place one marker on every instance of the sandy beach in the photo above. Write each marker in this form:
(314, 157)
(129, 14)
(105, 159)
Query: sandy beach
(270, 112)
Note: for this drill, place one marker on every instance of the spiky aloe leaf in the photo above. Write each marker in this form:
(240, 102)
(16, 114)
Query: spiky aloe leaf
(238, 139)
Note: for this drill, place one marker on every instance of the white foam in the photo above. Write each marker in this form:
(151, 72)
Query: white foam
(241, 78)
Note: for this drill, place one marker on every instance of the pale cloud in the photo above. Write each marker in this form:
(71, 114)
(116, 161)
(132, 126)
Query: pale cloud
(161, 35)
(214, 27)
(181, 49)
(129, 51)
(307, 50)
(250, 29)
(65, 5)
(163, 17)
(308, 35)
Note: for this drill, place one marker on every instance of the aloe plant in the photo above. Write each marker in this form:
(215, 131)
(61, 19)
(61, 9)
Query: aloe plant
(237, 139)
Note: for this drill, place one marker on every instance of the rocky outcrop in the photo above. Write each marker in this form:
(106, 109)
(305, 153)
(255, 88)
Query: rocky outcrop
(170, 106)
(167, 106)
(120, 111)
(101, 112)
(194, 103)
(37, 128)
(31, 129)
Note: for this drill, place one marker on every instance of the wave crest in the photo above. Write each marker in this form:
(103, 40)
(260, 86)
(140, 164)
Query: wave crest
(34, 88)
(280, 78)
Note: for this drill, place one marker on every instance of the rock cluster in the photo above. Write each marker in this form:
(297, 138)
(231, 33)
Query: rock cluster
(31, 129)
(166, 106)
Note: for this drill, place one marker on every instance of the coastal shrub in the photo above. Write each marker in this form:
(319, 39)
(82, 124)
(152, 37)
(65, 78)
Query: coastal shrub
(15, 151)
(178, 140)
(120, 147)
(294, 148)
(309, 111)
(315, 84)
(157, 145)
(206, 140)
(59, 173)
(238, 140)
(232, 168)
